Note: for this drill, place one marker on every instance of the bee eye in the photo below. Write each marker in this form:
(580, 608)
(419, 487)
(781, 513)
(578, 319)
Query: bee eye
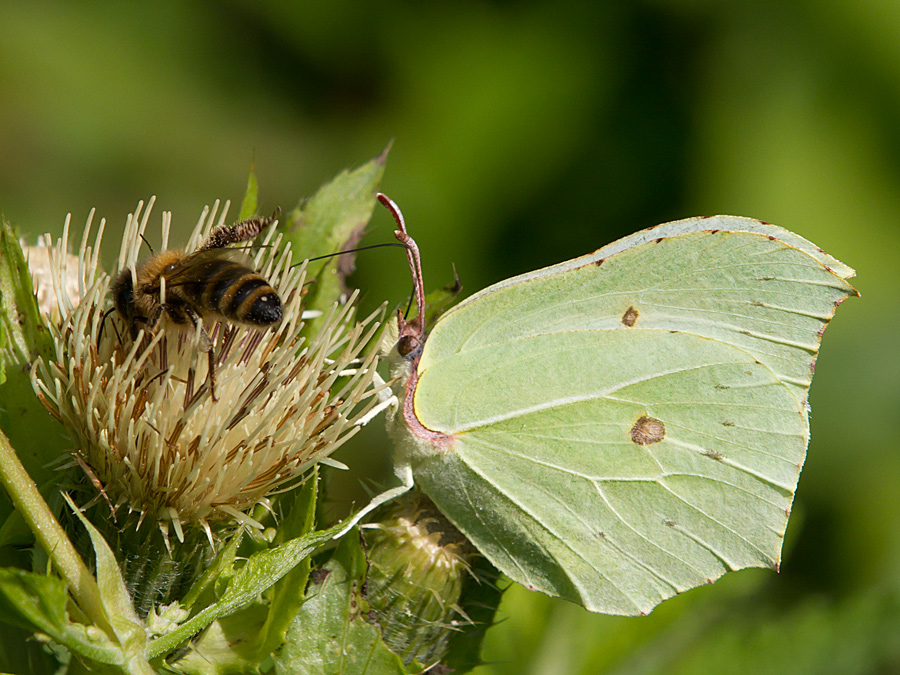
(123, 293)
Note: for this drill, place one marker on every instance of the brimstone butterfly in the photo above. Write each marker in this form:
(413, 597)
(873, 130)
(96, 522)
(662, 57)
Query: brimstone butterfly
(627, 425)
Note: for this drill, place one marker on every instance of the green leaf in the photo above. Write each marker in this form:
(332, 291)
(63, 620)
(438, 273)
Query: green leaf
(21, 654)
(227, 645)
(24, 337)
(246, 637)
(440, 300)
(116, 601)
(333, 220)
(38, 603)
(250, 203)
(222, 566)
(288, 594)
(480, 600)
(631, 424)
(258, 574)
(332, 634)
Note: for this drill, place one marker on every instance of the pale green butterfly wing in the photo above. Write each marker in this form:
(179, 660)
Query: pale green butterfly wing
(625, 426)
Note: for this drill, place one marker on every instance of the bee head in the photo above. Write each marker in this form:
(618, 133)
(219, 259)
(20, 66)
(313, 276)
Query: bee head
(123, 297)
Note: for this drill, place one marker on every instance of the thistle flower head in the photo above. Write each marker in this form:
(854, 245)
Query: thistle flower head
(38, 259)
(150, 435)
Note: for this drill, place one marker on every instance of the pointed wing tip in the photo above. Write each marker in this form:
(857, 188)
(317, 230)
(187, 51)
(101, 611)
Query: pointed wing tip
(762, 227)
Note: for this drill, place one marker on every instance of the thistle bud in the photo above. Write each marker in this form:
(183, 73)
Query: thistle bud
(419, 565)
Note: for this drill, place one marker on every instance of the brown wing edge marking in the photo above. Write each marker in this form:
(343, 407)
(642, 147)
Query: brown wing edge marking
(439, 440)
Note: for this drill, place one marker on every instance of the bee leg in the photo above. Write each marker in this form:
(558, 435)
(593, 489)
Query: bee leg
(211, 360)
(152, 322)
(103, 324)
(206, 345)
(244, 230)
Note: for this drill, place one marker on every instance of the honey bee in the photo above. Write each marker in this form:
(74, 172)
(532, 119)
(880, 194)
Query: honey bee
(209, 282)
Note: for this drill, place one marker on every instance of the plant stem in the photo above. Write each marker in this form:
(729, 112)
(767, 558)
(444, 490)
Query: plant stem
(50, 535)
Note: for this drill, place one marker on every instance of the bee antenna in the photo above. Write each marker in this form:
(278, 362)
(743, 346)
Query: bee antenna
(148, 243)
(351, 250)
(409, 304)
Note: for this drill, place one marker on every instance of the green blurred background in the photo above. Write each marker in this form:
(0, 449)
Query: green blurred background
(526, 133)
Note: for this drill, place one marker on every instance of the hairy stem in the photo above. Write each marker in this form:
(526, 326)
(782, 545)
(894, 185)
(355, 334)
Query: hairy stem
(50, 535)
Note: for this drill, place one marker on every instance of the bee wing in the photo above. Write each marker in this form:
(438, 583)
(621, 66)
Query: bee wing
(193, 265)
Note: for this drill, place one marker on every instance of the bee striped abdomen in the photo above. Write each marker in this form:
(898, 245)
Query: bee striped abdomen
(254, 301)
(236, 292)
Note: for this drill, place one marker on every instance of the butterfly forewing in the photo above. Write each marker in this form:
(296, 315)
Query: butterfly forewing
(745, 289)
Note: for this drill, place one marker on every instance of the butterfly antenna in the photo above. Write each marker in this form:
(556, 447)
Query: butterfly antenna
(412, 333)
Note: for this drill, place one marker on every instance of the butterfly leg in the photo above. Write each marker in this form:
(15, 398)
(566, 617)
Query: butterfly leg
(386, 399)
(404, 473)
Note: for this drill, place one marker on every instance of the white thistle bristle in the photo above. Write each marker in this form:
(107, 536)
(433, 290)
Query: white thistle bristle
(148, 428)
